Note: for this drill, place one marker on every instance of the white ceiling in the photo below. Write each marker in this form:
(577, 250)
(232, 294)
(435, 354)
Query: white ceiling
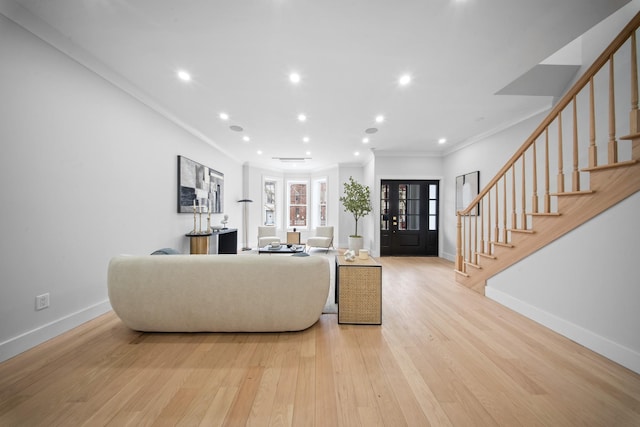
(350, 53)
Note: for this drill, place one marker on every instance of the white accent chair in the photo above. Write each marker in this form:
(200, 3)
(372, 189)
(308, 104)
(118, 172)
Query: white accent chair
(267, 235)
(323, 238)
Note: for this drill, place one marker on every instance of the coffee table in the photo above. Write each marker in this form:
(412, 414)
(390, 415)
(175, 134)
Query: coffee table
(283, 249)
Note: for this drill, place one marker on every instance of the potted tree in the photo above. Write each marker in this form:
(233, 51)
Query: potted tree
(357, 201)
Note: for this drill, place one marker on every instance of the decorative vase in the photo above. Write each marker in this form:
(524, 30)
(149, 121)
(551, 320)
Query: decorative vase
(355, 244)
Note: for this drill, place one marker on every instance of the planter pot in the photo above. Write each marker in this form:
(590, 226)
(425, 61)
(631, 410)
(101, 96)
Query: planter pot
(355, 244)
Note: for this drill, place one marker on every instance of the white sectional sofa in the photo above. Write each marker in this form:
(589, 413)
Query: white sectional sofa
(218, 293)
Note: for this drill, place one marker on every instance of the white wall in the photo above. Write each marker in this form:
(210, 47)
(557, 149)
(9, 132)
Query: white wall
(584, 285)
(87, 172)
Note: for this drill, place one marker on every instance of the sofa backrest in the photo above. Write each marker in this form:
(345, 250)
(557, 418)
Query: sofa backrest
(224, 293)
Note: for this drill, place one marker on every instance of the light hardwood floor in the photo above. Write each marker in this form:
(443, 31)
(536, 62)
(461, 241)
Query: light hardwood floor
(444, 355)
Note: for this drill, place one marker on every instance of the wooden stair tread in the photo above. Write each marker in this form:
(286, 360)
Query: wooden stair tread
(631, 136)
(461, 273)
(610, 166)
(574, 193)
(504, 245)
(544, 213)
(520, 230)
(470, 264)
(483, 255)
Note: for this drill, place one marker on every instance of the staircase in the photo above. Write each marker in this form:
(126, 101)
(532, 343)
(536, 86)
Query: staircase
(525, 206)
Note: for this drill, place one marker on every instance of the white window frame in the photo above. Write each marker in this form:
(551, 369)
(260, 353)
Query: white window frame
(277, 201)
(288, 204)
(317, 202)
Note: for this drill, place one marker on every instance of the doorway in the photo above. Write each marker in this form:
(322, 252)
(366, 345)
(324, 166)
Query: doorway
(409, 217)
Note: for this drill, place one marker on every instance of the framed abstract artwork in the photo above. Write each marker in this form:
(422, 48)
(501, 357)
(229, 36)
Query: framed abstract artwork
(467, 188)
(199, 187)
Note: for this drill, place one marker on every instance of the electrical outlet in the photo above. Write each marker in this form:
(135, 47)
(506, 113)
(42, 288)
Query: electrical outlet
(42, 301)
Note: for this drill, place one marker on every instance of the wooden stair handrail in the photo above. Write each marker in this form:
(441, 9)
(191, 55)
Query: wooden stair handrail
(613, 47)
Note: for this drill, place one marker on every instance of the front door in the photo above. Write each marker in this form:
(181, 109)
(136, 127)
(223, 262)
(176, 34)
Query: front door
(409, 217)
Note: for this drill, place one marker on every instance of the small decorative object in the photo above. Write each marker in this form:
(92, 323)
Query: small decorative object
(275, 245)
(224, 222)
(209, 217)
(350, 255)
(194, 216)
(363, 254)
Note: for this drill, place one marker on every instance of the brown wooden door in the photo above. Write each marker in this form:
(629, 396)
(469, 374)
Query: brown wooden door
(409, 217)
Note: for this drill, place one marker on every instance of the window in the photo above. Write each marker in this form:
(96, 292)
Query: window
(297, 193)
(269, 211)
(433, 207)
(409, 207)
(320, 202)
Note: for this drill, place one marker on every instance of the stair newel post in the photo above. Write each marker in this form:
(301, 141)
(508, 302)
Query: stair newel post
(560, 183)
(504, 209)
(482, 241)
(489, 251)
(634, 117)
(593, 150)
(514, 217)
(496, 230)
(459, 258)
(612, 148)
(523, 214)
(547, 197)
(575, 176)
(475, 237)
(534, 196)
(468, 233)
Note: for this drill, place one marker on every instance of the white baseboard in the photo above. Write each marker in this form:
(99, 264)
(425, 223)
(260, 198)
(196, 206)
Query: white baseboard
(611, 350)
(448, 256)
(30, 339)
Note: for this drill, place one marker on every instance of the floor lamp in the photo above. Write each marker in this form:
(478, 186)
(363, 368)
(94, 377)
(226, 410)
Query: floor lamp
(245, 222)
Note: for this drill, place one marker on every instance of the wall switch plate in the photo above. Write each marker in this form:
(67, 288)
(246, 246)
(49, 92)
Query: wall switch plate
(42, 301)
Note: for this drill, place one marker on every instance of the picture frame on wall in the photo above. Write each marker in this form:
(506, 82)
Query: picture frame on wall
(467, 189)
(199, 183)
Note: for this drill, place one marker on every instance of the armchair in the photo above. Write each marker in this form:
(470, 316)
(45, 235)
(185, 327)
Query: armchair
(267, 235)
(323, 238)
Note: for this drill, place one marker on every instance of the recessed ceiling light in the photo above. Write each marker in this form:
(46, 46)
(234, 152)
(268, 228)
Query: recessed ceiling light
(308, 153)
(294, 78)
(442, 140)
(357, 153)
(259, 152)
(184, 76)
(246, 138)
(379, 118)
(224, 116)
(365, 140)
(305, 139)
(302, 118)
(404, 80)
(236, 128)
